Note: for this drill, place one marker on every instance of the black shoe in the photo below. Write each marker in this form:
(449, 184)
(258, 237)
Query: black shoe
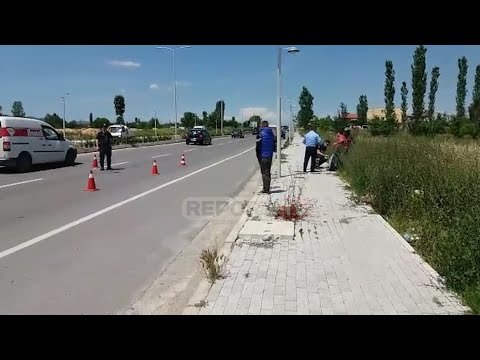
(109, 168)
(265, 191)
(101, 169)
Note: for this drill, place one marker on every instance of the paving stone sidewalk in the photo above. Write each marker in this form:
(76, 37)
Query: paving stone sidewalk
(344, 259)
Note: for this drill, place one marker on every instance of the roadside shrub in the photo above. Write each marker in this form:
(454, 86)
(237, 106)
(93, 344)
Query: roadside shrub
(431, 185)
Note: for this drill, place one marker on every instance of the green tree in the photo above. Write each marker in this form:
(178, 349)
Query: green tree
(188, 120)
(404, 106)
(305, 114)
(119, 104)
(461, 87)
(389, 92)
(54, 120)
(343, 110)
(204, 118)
(98, 122)
(325, 124)
(340, 122)
(433, 92)
(474, 108)
(419, 84)
(17, 109)
(90, 119)
(255, 118)
(362, 110)
(1, 110)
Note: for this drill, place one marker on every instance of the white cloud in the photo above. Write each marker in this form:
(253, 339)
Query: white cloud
(154, 87)
(123, 91)
(264, 112)
(128, 64)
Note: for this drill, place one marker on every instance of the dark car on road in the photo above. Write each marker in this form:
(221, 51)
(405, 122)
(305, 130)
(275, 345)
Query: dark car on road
(237, 133)
(255, 131)
(197, 136)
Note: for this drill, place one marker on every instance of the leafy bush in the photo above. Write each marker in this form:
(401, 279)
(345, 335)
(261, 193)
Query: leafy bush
(433, 186)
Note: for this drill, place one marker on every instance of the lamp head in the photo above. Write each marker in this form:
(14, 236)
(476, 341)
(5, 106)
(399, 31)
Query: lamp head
(292, 50)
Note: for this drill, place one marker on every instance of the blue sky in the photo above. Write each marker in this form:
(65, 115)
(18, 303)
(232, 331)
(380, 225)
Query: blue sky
(243, 76)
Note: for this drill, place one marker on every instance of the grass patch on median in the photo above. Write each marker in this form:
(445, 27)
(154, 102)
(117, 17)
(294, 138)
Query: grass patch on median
(430, 189)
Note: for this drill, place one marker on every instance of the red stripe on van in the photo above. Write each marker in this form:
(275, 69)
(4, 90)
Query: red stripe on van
(13, 132)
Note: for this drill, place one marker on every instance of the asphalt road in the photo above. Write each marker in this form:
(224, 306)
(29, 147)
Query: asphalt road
(67, 251)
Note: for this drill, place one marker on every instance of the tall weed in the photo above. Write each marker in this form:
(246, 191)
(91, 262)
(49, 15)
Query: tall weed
(432, 185)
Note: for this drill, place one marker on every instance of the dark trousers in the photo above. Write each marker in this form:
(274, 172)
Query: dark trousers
(320, 160)
(310, 154)
(266, 167)
(108, 153)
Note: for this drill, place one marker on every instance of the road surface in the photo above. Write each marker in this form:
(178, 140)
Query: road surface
(66, 251)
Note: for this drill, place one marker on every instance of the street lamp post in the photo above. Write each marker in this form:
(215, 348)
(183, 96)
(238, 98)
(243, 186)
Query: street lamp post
(221, 117)
(291, 120)
(155, 119)
(290, 50)
(173, 50)
(64, 100)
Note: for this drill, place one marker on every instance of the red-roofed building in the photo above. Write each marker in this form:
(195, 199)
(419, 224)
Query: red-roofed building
(350, 116)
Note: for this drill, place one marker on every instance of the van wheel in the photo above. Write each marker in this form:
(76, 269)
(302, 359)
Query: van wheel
(24, 162)
(70, 158)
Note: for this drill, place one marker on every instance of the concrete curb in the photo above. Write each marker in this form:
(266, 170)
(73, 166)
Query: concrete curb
(201, 293)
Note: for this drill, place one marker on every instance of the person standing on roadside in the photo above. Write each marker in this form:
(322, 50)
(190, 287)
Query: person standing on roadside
(258, 148)
(104, 146)
(311, 140)
(267, 147)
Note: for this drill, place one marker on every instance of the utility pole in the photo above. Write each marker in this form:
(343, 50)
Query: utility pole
(155, 118)
(221, 116)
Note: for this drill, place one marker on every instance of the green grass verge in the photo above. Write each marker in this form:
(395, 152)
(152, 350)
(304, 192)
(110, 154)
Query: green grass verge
(430, 188)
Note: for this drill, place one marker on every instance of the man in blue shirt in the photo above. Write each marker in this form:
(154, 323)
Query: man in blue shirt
(266, 147)
(311, 140)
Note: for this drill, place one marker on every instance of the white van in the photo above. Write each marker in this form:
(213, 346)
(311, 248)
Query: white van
(120, 131)
(25, 142)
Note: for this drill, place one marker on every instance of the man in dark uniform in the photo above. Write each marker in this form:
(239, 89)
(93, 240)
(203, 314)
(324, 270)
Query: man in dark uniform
(258, 149)
(104, 146)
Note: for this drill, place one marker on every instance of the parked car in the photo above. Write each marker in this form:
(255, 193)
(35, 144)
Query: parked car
(197, 136)
(237, 133)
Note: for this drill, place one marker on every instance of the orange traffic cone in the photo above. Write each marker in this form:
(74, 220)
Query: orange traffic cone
(154, 168)
(94, 162)
(183, 163)
(91, 183)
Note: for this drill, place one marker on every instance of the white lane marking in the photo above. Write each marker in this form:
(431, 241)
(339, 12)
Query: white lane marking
(157, 156)
(20, 183)
(231, 142)
(66, 227)
(190, 150)
(121, 163)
